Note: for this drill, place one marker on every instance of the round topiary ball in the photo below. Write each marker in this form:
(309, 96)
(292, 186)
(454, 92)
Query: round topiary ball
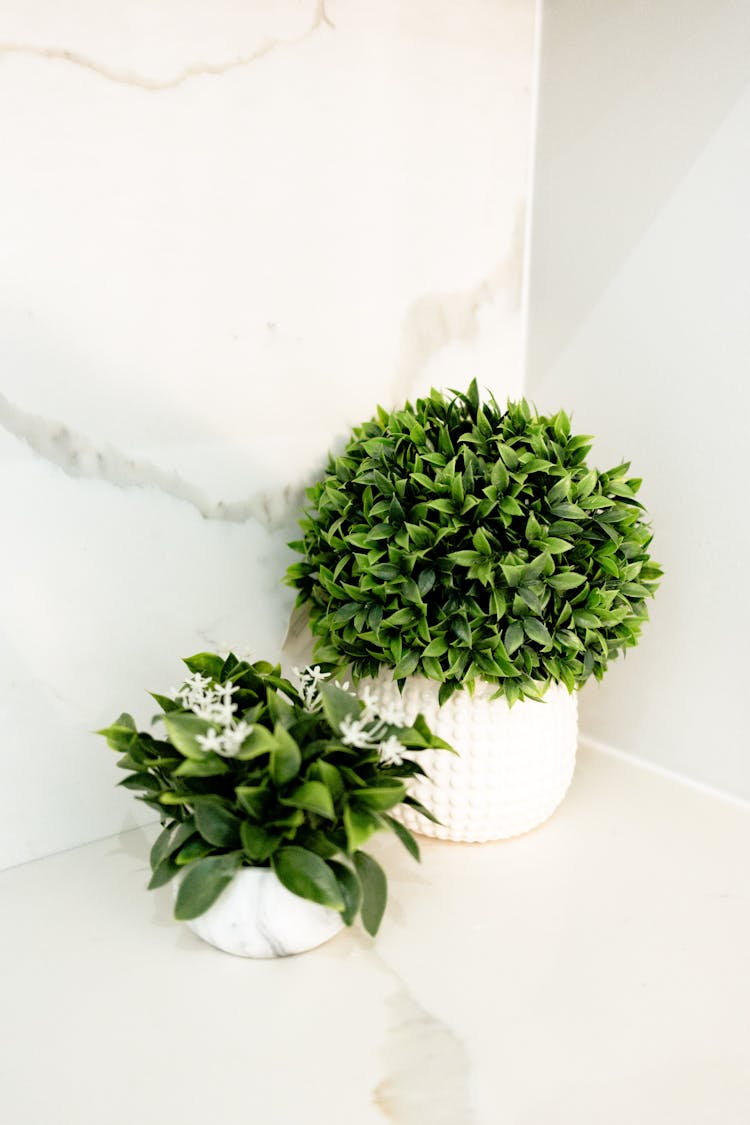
(457, 540)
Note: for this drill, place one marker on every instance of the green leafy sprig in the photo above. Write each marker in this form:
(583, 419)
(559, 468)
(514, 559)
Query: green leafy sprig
(459, 541)
(301, 780)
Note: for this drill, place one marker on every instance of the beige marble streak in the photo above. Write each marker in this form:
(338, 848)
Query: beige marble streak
(426, 1067)
(159, 85)
(434, 321)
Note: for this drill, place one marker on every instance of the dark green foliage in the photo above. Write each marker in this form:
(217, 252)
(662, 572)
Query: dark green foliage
(460, 541)
(293, 795)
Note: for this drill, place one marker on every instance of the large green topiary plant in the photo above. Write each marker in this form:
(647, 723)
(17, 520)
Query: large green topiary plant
(459, 541)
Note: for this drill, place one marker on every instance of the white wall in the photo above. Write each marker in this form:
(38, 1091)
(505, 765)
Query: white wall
(227, 231)
(640, 323)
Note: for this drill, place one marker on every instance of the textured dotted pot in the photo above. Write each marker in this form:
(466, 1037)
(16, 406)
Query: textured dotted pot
(513, 766)
(255, 916)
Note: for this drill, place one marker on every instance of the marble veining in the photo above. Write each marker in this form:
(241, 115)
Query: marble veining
(78, 456)
(159, 85)
(594, 970)
(228, 232)
(426, 1067)
(435, 323)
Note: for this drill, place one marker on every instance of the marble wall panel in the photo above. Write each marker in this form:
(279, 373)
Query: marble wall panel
(226, 232)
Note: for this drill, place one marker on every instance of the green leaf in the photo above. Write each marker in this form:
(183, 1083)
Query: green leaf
(259, 741)
(537, 631)
(465, 558)
(568, 512)
(165, 702)
(195, 849)
(400, 617)
(203, 882)
(498, 604)
(163, 872)
(462, 630)
(432, 668)
(385, 572)
(345, 613)
(565, 580)
(216, 823)
(513, 574)
(350, 888)
(286, 757)
(374, 891)
(481, 542)
(308, 875)
(338, 705)
(359, 824)
(510, 506)
(410, 591)
(513, 637)
(608, 564)
(554, 545)
(499, 476)
(413, 803)
(330, 776)
(381, 797)
(170, 840)
(253, 799)
(211, 766)
(406, 665)
(183, 729)
(587, 620)
(121, 734)
(207, 663)
(436, 647)
(140, 780)
(312, 796)
(258, 843)
(404, 836)
(425, 581)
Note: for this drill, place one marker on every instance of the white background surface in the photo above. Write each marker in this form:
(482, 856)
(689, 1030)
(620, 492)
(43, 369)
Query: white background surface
(640, 323)
(226, 233)
(592, 971)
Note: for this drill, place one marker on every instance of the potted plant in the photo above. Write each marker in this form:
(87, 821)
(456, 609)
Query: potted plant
(467, 559)
(267, 794)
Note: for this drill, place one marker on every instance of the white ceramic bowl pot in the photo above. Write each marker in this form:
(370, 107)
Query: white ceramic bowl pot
(255, 916)
(513, 765)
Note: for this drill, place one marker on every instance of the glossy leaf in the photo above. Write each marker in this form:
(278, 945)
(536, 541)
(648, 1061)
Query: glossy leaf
(308, 875)
(203, 882)
(374, 891)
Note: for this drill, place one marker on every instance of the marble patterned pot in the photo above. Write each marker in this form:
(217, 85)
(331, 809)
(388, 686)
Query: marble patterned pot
(255, 916)
(513, 766)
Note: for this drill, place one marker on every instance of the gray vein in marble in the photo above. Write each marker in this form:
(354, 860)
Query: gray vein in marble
(436, 320)
(78, 456)
(159, 85)
(426, 1065)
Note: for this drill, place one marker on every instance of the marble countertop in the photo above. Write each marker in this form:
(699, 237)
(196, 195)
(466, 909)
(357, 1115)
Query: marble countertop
(595, 970)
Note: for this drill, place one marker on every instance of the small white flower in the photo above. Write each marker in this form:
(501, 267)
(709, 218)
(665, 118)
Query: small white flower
(233, 737)
(392, 752)
(370, 703)
(309, 681)
(354, 733)
(211, 740)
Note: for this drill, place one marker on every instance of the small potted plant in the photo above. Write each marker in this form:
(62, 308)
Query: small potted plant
(471, 563)
(267, 794)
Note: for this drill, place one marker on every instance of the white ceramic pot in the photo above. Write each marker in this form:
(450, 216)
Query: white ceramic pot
(513, 766)
(256, 916)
